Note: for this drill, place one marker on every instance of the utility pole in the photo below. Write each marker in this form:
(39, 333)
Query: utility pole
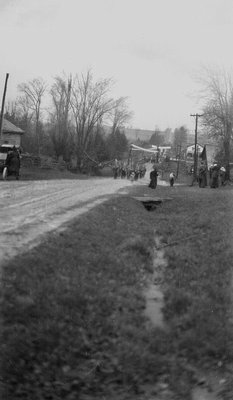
(178, 159)
(195, 148)
(130, 157)
(158, 153)
(3, 103)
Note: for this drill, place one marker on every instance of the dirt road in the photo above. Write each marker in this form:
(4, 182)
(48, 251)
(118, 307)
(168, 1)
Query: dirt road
(31, 208)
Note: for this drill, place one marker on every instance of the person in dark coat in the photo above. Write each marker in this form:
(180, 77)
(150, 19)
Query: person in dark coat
(202, 175)
(13, 162)
(214, 176)
(153, 178)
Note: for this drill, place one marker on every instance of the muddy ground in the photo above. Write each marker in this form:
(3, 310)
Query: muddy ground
(29, 209)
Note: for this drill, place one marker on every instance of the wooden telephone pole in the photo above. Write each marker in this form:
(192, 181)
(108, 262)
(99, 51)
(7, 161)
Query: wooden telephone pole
(195, 148)
(178, 155)
(3, 103)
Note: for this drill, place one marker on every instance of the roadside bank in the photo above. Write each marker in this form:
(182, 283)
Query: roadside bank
(73, 309)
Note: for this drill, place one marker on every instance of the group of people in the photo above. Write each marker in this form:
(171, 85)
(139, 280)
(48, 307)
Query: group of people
(154, 178)
(135, 174)
(124, 171)
(217, 175)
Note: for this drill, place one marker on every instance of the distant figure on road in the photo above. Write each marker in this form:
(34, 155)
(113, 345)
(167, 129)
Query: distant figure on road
(132, 176)
(172, 178)
(115, 172)
(136, 174)
(153, 178)
(123, 172)
(191, 174)
(115, 168)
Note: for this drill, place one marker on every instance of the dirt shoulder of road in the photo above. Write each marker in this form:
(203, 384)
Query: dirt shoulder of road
(36, 173)
(73, 309)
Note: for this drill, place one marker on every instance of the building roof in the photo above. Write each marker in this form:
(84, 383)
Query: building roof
(8, 127)
(193, 145)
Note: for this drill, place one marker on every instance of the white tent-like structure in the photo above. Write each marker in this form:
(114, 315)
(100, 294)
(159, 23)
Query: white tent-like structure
(138, 148)
(153, 149)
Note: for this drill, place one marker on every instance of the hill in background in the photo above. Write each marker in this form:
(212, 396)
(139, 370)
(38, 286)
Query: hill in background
(135, 135)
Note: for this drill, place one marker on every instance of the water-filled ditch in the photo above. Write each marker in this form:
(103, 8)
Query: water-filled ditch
(153, 292)
(153, 310)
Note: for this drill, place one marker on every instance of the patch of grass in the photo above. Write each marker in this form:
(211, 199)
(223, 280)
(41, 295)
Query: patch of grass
(73, 308)
(197, 282)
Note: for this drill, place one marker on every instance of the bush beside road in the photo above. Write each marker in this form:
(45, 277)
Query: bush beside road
(72, 309)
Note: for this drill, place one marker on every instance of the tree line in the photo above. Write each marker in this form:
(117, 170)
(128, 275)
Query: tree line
(216, 98)
(72, 124)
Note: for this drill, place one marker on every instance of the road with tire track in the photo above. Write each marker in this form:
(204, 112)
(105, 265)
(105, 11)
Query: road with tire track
(29, 209)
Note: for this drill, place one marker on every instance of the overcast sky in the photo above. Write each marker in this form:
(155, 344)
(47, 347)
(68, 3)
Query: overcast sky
(151, 48)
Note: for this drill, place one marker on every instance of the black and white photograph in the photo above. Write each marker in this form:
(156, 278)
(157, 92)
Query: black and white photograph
(116, 200)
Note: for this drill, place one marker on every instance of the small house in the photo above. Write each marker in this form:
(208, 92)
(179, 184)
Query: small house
(11, 134)
(191, 150)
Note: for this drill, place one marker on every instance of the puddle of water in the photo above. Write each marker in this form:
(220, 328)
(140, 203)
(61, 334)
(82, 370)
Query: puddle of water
(153, 293)
(154, 303)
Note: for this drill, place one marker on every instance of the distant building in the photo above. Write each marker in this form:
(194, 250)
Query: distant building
(11, 134)
(164, 151)
(191, 150)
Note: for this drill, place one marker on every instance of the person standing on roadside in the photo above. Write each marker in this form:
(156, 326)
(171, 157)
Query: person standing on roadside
(153, 178)
(172, 178)
(214, 176)
(132, 176)
(222, 174)
(191, 174)
(13, 162)
(115, 169)
(202, 177)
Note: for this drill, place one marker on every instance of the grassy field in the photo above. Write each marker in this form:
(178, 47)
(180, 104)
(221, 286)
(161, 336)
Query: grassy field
(72, 309)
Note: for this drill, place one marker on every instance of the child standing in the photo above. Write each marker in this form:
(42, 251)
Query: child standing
(172, 178)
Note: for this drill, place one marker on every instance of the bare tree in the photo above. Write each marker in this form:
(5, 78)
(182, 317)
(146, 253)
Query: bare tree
(90, 103)
(180, 138)
(61, 92)
(217, 117)
(32, 93)
(120, 114)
